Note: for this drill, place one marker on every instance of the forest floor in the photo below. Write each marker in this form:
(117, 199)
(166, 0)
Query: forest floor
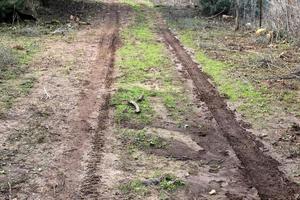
(140, 101)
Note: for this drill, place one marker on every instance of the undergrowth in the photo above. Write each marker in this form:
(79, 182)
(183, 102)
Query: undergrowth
(16, 76)
(244, 69)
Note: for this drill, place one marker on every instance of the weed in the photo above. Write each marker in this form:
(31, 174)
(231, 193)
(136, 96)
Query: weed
(139, 139)
(7, 58)
(237, 65)
(170, 182)
(137, 5)
(29, 32)
(125, 113)
(288, 96)
(14, 67)
(26, 85)
(165, 184)
(135, 186)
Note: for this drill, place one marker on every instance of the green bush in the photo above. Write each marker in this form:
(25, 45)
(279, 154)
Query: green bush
(8, 6)
(211, 7)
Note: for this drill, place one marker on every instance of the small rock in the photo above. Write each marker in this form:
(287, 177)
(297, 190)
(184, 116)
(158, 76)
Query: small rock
(213, 170)
(263, 135)
(18, 47)
(59, 31)
(213, 192)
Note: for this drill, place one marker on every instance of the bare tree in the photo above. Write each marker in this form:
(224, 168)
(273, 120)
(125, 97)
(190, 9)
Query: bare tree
(237, 15)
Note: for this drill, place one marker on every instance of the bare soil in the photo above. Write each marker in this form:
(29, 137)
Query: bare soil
(60, 141)
(70, 123)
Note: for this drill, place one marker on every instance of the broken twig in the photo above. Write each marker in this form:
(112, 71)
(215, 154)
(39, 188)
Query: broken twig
(136, 106)
(10, 193)
(47, 94)
(141, 98)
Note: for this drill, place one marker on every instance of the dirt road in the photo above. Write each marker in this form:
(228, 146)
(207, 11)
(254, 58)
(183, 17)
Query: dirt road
(62, 141)
(67, 168)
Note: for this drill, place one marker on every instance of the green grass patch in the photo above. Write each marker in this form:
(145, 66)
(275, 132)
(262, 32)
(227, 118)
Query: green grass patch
(136, 5)
(141, 140)
(177, 103)
(12, 89)
(145, 69)
(254, 101)
(15, 66)
(165, 184)
(170, 183)
(124, 112)
(136, 187)
(239, 72)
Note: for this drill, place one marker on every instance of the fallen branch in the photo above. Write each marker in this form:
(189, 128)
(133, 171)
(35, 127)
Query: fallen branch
(84, 23)
(141, 98)
(47, 94)
(287, 77)
(136, 106)
(10, 193)
(216, 15)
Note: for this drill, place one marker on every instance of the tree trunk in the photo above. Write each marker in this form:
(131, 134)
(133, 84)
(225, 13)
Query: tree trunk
(237, 15)
(260, 12)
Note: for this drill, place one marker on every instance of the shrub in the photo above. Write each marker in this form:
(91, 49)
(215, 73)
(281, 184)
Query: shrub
(8, 6)
(7, 58)
(211, 7)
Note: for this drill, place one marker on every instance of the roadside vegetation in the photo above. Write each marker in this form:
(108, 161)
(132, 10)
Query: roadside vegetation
(162, 183)
(16, 72)
(257, 76)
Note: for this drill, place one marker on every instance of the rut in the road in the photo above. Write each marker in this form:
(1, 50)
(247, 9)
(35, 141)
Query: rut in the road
(260, 170)
(89, 188)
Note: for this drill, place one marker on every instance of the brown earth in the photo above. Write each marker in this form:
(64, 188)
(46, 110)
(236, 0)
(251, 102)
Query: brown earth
(69, 124)
(63, 146)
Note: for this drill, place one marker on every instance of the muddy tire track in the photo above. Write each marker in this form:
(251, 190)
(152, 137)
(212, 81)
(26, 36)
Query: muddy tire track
(260, 170)
(91, 183)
